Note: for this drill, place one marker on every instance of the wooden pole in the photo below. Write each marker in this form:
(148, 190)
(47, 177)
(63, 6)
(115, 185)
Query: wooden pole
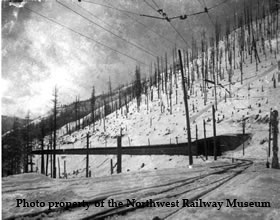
(269, 136)
(54, 130)
(243, 133)
(214, 131)
(65, 174)
(42, 157)
(112, 168)
(87, 159)
(58, 167)
(51, 158)
(275, 121)
(196, 140)
(47, 162)
(205, 142)
(119, 154)
(187, 111)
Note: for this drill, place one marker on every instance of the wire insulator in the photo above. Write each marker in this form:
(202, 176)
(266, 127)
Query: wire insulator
(183, 17)
(160, 11)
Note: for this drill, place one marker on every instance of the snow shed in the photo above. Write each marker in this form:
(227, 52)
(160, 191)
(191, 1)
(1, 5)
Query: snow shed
(224, 143)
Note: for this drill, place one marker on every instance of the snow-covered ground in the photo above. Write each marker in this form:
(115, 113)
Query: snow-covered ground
(255, 184)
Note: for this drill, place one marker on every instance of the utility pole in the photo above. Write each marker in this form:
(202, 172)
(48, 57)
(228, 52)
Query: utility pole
(196, 140)
(87, 160)
(205, 142)
(214, 131)
(269, 135)
(54, 133)
(275, 121)
(27, 145)
(119, 154)
(187, 111)
(42, 147)
(243, 133)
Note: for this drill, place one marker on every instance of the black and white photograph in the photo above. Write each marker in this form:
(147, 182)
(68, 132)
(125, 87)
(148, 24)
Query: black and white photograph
(140, 109)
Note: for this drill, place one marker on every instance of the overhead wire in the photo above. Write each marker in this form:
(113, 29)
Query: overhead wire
(178, 33)
(134, 44)
(148, 28)
(85, 36)
(147, 3)
(125, 12)
(215, 6)
(102, 20)
(207, 12)
(105, 29)
(155, 3)
(122, 10)
(115, 8)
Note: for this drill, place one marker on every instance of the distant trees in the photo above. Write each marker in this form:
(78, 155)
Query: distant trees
(12, 151)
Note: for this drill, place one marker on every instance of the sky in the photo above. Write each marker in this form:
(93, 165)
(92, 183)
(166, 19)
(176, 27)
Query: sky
(38, 55)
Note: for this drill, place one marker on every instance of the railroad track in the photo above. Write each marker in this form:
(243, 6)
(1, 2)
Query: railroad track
(191, 188)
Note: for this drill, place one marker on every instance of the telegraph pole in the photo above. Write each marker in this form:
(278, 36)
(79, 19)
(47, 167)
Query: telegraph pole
(214, 132)
(87, 158)
(54, 133)
(42, 147)
(187, 111)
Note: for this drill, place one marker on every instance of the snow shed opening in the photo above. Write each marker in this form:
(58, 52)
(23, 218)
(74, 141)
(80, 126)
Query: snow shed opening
(223, 143)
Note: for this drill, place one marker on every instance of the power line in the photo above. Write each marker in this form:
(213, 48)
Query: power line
(147, 3)
(206, 10)
(155, 3)
(148, 28)
(127, 14)
(122, 10)
(108, 6)
(112, 28)
(102, 20)
(215, 6)
(179, 33)
(127, 41)
(85, 36)
(160, 11)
